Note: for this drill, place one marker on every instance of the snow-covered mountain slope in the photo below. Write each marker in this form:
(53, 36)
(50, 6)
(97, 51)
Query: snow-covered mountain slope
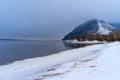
(104, 28)
(92, 26)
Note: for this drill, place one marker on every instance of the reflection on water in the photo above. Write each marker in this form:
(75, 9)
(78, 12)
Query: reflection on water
(78, 45)
(14, 50)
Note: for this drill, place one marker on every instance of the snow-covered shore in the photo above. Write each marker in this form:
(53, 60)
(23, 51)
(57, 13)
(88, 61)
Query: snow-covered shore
(104, 65)
(96, 62)
(85, 42)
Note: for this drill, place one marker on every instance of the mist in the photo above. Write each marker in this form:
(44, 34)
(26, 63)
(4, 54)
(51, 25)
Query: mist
(52, 19)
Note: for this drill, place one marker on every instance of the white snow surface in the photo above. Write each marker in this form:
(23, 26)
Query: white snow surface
(96, 62)
(104, 65)
(84, 42)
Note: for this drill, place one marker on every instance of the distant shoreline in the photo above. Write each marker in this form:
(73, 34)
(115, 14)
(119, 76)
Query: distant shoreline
(75, 43)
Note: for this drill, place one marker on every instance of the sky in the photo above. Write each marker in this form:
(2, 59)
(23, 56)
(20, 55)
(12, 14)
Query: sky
(52, 19)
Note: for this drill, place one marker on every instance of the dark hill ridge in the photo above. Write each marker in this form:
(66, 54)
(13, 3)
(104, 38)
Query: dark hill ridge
(94, 26)
(116, 25)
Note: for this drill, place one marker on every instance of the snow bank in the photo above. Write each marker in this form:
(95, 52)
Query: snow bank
(104, 65)
(84, 42)
(23, 70)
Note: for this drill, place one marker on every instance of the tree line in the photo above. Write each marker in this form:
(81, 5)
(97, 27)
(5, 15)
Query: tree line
(113, 36)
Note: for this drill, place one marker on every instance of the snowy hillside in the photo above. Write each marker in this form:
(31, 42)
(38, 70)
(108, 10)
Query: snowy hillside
(97, 62)
(104, 28)
(94, 26)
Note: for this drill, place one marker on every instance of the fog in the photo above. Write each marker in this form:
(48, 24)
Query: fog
(52, 19)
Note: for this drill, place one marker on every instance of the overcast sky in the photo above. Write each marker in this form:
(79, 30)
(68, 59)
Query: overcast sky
(52, 19)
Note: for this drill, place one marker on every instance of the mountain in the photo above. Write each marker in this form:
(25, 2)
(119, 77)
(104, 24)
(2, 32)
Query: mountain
(116, 25)
(94, 26)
